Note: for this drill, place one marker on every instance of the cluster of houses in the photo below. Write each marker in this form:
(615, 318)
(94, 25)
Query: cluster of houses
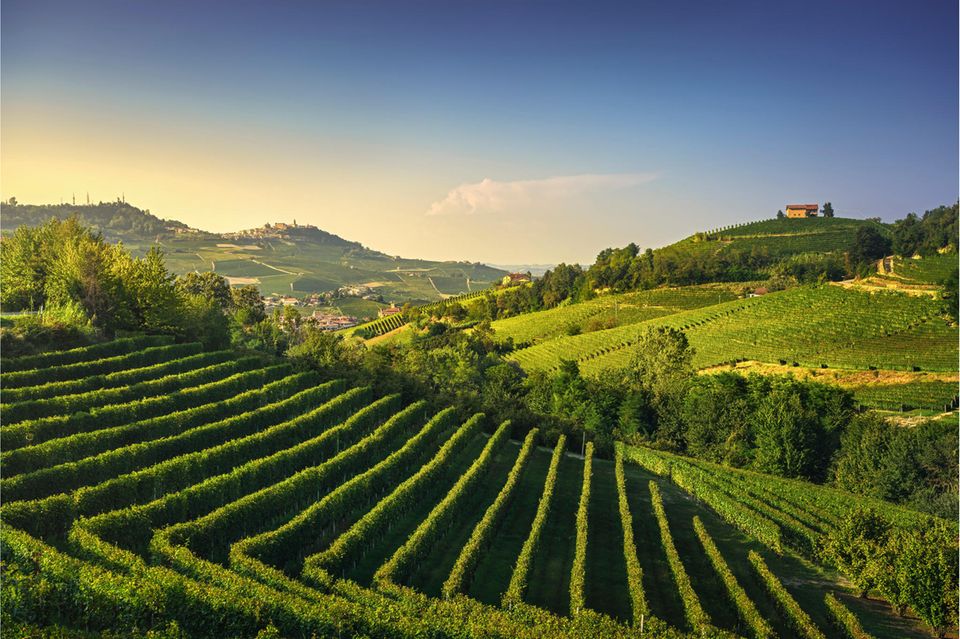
(278, 230)
(513, 279)
(363, 292)
(279, 301)
(330, 322)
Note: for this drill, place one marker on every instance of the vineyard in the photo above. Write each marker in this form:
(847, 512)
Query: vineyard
(777, 238)
(149, 483)
(625, 308)
(384, 325)
(810, 326)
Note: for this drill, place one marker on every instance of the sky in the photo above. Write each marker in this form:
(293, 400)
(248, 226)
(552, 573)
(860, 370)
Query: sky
(504, 132)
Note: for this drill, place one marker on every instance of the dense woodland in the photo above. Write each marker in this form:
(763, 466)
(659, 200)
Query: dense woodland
(116, 220)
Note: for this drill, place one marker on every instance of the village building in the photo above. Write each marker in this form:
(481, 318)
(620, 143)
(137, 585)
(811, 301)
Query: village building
(515, 278)
(328, 322)
(802, 210)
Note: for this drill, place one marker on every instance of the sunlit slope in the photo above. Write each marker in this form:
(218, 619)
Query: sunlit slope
(609, 311)
(776, 238)
(812, 326)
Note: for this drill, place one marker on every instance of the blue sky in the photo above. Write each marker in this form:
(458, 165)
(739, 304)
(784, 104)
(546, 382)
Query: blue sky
(506, 132)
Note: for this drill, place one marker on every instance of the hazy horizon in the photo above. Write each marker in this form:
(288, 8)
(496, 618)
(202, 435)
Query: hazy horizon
(508, 133)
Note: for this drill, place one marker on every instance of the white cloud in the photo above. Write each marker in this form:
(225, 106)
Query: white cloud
(493, 195)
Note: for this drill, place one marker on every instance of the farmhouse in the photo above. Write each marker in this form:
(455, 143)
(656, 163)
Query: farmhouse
(390, 310)
(802, 210)
(515, 278)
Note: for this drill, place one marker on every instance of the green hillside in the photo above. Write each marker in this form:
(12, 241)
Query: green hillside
(294, 261)
(608, 311)
(776, 238)
(238, 494)
(812, 326)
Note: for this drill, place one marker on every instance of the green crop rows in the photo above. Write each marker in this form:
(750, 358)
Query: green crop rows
(811, 326)
(237, 498)
(624, 308)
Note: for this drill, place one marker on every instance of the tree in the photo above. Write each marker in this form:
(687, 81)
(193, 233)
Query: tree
(662, 366)
(248, 304)
(785, 432)
(715, 417)
(827, 209)
(926, 571)
(868, 245)
(855, 546)
(322, 350)
(202, 320)
(780, 214)
(950, 294)
(209, 285)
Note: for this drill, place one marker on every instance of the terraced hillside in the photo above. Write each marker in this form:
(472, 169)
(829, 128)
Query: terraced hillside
(147, 482)
(776, 238)
(811, 326)
(608, 311)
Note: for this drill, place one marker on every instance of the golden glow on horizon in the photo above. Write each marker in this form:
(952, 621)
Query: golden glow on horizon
(220, 178)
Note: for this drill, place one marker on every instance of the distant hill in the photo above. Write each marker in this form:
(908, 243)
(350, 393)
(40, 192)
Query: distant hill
(280, 258)
(117, 221)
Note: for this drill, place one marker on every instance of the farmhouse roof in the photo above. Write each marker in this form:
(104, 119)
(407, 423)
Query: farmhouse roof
(803, 206)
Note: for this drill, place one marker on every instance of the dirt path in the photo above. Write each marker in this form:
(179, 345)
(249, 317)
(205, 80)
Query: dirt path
(274, 267)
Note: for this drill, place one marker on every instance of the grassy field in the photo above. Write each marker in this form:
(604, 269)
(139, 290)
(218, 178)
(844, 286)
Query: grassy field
(239, 490)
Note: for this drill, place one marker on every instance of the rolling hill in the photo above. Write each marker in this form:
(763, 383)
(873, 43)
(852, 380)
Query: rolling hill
(280, 259)
(239, 496)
